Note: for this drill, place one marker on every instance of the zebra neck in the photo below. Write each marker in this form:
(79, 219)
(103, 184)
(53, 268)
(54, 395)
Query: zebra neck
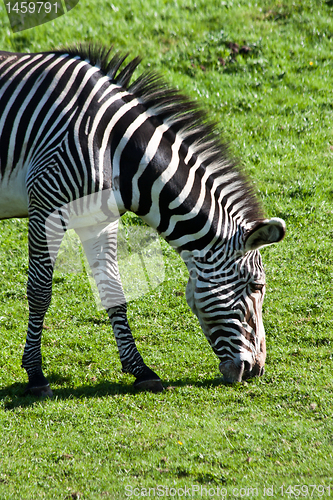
(203, 230)
(190, 215)
(193, 196)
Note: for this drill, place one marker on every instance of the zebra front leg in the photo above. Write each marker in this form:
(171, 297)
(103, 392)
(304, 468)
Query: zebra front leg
(39, 298)
(131, 359)
(39, 292)
(100, 245)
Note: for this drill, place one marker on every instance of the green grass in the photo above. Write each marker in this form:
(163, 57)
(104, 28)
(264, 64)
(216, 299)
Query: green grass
(97, 435)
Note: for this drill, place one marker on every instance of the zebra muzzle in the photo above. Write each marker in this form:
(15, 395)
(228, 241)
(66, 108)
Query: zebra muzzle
(233, 372)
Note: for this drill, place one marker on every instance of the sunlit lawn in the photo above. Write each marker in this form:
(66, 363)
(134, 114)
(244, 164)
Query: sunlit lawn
(98, 438)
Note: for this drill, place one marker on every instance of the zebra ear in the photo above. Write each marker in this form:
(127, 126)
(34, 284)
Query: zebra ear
(264, 233)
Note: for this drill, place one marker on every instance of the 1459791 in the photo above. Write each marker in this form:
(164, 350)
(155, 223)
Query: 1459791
(309, 491)
(32, 7)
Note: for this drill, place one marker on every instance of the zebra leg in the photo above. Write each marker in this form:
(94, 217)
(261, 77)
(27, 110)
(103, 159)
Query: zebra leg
(42, 253)
(100, 245)
(130, 357)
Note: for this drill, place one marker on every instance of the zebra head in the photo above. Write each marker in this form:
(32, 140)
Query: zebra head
(226, 290)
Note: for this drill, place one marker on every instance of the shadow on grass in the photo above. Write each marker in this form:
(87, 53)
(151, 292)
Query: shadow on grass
(13, 395)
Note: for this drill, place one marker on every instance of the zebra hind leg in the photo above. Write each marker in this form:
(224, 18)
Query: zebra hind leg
(131, 359)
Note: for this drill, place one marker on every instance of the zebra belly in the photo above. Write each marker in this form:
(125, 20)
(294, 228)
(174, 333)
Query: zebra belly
(13, 197)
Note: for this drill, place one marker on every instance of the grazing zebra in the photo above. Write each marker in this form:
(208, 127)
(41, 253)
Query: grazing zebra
(79, 146)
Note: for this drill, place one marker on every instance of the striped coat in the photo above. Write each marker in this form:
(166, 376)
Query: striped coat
(79, 146)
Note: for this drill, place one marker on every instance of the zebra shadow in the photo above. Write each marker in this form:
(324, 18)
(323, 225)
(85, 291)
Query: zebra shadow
(12, 396)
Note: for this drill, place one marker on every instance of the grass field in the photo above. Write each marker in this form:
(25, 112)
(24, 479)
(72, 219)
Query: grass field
(98, 438)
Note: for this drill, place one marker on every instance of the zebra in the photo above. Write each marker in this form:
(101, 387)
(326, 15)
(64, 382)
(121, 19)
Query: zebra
(81, 143)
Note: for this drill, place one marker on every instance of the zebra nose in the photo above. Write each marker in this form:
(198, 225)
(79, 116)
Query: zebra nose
(231, 371)
(234, 372)
(257, 371)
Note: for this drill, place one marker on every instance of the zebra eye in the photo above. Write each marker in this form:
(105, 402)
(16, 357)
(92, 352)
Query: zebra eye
(255, 287)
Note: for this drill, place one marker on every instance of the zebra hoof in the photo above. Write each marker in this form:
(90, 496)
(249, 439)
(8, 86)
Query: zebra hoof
(148, 381)
(39, 392)
(148, 385)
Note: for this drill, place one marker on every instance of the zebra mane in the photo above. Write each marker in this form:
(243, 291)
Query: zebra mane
(185, 116)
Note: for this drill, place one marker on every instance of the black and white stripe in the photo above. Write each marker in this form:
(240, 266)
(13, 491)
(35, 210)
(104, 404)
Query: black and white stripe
(80, 146)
